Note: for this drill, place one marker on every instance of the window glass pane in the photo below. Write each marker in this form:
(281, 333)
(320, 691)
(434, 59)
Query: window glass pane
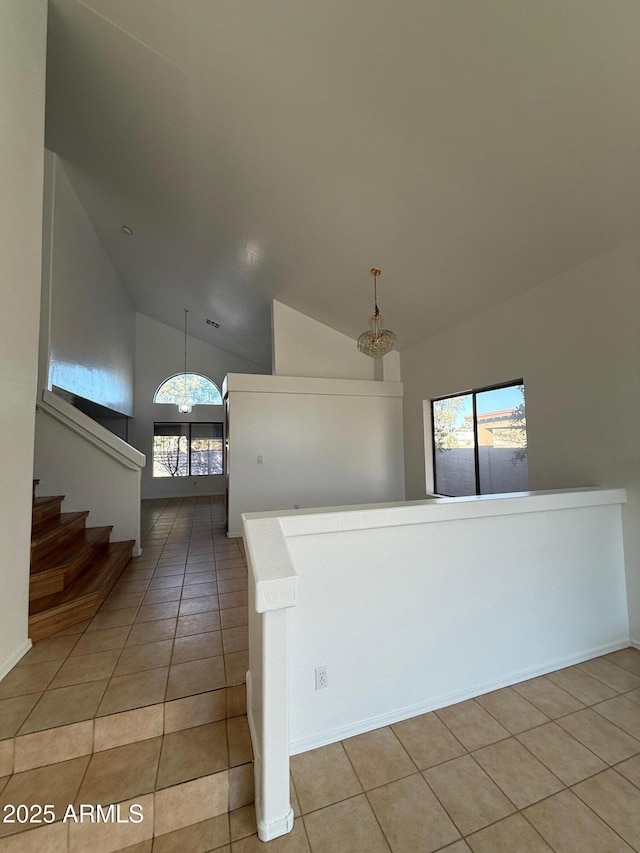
(199, 389)
(170, 450)
(453, 442)
(502, 440)
(206, 449)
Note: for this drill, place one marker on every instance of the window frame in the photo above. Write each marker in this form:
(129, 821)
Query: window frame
(157, 402)
(476, 452)
(188, 424)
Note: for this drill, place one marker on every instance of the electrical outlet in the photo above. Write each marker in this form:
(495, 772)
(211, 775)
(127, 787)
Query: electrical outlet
(321, 677)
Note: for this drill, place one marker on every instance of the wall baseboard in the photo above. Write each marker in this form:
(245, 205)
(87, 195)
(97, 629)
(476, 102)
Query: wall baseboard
(13, 659)
(634, 643)
(396, 716)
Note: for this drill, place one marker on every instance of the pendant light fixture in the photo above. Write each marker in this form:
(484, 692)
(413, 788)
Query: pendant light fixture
(185, 403)
(377, 341)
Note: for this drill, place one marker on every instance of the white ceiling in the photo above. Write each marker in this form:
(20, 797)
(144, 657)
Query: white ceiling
(280, 148)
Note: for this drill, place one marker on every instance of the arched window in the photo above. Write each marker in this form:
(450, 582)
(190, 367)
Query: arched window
(200, 390)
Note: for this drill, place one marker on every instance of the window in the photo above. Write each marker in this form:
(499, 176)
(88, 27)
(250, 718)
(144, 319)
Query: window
(187, 449)
(201, 391)
(480, 441)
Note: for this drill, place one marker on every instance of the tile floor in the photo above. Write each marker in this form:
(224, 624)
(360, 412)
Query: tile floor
(551, 764)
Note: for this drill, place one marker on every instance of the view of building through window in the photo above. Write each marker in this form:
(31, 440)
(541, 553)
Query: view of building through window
(480, 441)
(187, 449)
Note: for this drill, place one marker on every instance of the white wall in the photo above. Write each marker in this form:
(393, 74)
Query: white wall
(89, 332)
(160, 354)
(304, 347)
(576, 342)
(22, 87)
(322, 443)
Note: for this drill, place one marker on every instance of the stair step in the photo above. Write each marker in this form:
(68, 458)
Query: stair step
(67, 561)
(52, 533)
(45, 509)
(81, 599)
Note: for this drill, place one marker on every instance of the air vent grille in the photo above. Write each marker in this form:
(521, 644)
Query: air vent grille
(213, 323)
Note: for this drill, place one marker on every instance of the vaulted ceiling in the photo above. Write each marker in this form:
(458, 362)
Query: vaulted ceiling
(267, 149)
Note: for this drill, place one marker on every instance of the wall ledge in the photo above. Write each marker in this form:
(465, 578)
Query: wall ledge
(265, 384)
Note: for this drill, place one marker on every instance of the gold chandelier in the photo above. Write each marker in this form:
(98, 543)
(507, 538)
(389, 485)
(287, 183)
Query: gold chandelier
(377, 341)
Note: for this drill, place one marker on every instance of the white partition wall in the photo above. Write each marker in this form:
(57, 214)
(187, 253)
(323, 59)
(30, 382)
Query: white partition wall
(415, 606)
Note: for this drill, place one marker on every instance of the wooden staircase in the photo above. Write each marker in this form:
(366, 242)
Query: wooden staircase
(73, 567)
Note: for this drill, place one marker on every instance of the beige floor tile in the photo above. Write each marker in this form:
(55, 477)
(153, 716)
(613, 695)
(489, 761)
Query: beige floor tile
(548, 697)
(53, 648)
(112, 619)
(600, 736)
(164, 571)
(623, 712)
(191, 802)
(123, 837)
(323, 776)
(512, 710)
(65, 705)
(166, 582)
(126, 586)
(616, 801)
(79, 669)
(411, 817)
(470, 797)
(193, 752)
(242, 822)
(239, 739)
(152, 632)
(236, 665)
(198, 623)
(195, 710)
(52, 839)
(236, 700)
(197, 646)
(198, 676)
(233, 599)
(471, 724)
(101, 641)
(581, 685)
(511, 835)
(198, 838)
(569, 826)
(55, 784)
(144, 657)
(155, 612)
(458, 847)
(158, 596)
(201, 590)
(122, 601)
(626, 658)
(615, 677)
(568, 759)
(126, 692)
(76, 628)
(13, 713)
(520, 775)
(205, 576)
(241, 791)
(53, 746)
(29, 679)
(232, 584)
(235, 639)
(128, 727)
(630, 769)
(294, 842)
(234, 617)
(427, 740)
(7, 755)
(188, 606)
(115, 775)
(347, 825)
(378, 757)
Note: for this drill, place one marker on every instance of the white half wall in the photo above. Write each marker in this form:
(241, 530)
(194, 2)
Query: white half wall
(23, 27)
(159, 355)
(88, 318)
(297, 442)
(576, 342)
(304, 347)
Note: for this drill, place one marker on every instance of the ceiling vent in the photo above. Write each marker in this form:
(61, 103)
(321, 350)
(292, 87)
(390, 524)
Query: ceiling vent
(213, 323)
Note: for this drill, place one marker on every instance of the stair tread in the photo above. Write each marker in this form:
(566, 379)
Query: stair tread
(87, 584)
(47, 499)
(51, 527)
(63, 555)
